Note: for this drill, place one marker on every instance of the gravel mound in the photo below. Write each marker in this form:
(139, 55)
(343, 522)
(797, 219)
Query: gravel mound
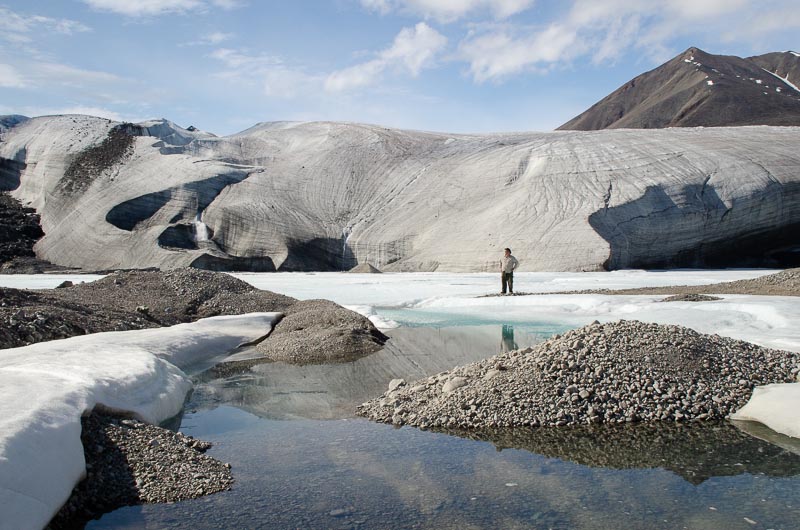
(129, 462)
(311, 331)
(627, 371)
(321, 331)
(691, 298)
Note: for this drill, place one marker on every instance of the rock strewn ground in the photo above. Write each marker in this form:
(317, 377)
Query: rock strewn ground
(626, 371)
(784, 283)
(129, 462)
(145, 299)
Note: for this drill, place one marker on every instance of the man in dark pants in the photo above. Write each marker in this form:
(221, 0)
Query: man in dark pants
(508, 264)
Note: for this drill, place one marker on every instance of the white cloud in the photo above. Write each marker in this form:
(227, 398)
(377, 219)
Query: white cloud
(210, 39)
(268, 72)
(100, 112)
(138, 8)
(143, 8)
(55, 73)
(611, 29)
(497, 55)
(10, 78)
(449, 10)
(413, 50)
(228, 4)
(16, 27)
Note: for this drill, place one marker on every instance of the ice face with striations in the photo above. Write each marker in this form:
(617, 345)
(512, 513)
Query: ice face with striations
(326, 196)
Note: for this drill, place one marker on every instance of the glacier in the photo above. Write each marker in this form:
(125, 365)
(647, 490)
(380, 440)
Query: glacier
(303, 196)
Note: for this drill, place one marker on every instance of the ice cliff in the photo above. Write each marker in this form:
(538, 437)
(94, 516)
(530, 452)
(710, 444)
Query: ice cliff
(327, 196)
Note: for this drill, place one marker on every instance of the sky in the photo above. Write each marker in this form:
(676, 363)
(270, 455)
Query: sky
(442, 65)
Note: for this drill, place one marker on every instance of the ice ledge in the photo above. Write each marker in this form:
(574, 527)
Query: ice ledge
(46, 387)
(777, 406)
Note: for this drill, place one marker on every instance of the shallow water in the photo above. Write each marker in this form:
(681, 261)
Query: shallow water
(302, 460)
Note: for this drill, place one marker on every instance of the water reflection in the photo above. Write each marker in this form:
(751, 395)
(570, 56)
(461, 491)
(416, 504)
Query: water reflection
(696, 452)
(507, 342)
(332, 391)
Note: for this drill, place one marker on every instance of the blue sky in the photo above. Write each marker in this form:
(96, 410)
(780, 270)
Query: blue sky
(443, 65)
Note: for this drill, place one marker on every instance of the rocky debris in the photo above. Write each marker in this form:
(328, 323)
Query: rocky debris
(626, 371)
(310, 331)
(19, 231)
(365, 268)
(129, 462)
(90, 163)
(783, 283)
(695, 451)
(689, 297)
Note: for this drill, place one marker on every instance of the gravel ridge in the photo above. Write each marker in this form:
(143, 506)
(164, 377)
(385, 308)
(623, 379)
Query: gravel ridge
(626, 371)
(129, 462)
(147, 299)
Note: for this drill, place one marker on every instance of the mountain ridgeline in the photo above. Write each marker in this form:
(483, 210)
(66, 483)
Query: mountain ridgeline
(697, 88)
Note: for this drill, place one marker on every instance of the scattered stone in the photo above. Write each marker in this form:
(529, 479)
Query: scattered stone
(621, 372)
(394, 384)
(453, 384)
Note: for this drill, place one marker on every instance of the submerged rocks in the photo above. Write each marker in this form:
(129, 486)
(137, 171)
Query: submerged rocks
(621, 372)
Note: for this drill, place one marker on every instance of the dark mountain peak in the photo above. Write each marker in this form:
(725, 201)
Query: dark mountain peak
(697, 88)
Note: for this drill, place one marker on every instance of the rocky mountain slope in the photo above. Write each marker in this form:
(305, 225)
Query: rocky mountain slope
(327, 196)
(697, 88)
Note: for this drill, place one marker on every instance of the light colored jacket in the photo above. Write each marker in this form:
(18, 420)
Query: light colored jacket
(508, 264)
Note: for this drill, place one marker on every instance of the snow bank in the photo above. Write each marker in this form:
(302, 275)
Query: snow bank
(46, 387)
(776, 406)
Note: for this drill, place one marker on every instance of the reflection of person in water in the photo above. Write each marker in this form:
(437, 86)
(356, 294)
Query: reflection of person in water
(507, 342)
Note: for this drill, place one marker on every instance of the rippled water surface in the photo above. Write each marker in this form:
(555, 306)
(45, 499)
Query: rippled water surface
(302, 460)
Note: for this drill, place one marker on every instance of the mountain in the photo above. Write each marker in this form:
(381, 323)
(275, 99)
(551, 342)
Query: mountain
(700, 89)
(328, 196)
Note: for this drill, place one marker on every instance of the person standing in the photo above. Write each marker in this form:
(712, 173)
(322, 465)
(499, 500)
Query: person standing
(508, 264)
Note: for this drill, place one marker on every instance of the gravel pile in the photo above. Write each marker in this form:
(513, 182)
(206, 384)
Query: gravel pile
(129, 462)
(312, 331)
(304, 335)
(626, 371)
